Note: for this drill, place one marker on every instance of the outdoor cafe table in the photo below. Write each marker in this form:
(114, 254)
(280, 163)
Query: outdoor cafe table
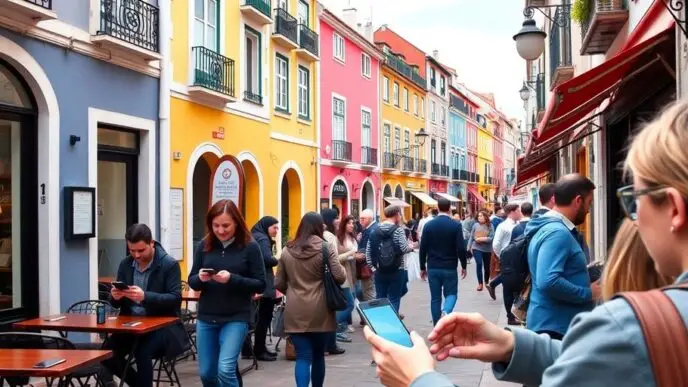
(20, 362)
(88, 323)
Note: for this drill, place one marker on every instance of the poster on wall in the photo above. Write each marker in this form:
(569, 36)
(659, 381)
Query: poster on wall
(324, 203)
(227, 181)
(176, 244)
(79, 213)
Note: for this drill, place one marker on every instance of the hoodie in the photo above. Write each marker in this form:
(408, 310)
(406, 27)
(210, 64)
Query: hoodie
(560, 280)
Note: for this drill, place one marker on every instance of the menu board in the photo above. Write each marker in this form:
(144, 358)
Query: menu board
(176, 226)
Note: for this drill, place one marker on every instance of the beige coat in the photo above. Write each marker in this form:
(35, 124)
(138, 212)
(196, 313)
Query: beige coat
(346, 258)
(300, 277)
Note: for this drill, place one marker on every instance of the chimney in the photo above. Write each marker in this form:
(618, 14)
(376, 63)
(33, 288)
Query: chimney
(436, 55)
(350, 16)
(366, 29)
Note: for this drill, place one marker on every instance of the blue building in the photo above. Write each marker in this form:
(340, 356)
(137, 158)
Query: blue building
(78, 108)
(461, 110)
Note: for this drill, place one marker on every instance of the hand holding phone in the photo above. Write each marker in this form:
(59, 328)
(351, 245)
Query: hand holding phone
(119, 285)
(384, 321)
(206, 275)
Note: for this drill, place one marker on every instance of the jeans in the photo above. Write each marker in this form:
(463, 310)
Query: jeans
(150, 346)
(310, 358)
(442, 281)
(482, 264)
(506, 296)
(219, 345)
(390, 285)
(344, 316)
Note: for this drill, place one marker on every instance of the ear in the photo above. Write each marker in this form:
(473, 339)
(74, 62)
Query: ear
(678, 208)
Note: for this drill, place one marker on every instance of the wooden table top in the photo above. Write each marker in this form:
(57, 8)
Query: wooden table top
(88, 323)
(106, 280)
(20, 362)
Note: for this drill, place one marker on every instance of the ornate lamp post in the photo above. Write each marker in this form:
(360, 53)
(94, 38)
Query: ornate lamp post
(530, 40)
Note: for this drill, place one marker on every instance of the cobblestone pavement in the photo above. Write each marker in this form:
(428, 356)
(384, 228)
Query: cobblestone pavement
(353, 368)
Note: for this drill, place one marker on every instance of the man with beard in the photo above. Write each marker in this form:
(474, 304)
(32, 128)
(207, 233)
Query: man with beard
(557, 260)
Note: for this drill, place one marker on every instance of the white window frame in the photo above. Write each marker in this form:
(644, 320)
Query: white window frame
(405, 97)
(415, 104)
(303, 92)
(385, 89)
(387, 137)
(281, 84)
(366, 65)
(338, 47)
(255, 85)
(422, 107)
(206, 23)
(335, 137)
(366, 138)
(443, 112)
(433, 113)
(395, 94)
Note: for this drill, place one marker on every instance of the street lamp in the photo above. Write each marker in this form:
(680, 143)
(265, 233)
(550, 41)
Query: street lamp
(530, 40)
(524, 92)
(420, 137)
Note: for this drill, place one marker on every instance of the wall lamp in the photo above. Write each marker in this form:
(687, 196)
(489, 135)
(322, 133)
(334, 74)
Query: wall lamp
(73, 139)
(530, 40)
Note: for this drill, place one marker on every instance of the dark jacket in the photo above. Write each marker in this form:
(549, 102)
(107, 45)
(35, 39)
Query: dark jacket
(441, 244)
(230, 302)
(365, 237)
(162, 296)
(519, 230)
(265, 245)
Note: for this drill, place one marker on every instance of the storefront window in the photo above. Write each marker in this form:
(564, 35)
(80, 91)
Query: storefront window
(10, 222)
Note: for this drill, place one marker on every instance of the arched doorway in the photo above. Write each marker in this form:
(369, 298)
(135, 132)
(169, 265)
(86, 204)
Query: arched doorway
(340, 196)
(251, 193)
(387, 191)
(291, 199)
(368, 196)
(201, 195)
(399, 192)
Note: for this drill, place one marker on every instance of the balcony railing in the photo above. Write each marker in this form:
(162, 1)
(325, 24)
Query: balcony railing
(601, 26)
(455, 174)
(213, 71)
(47, 4)
(463, 175)
(404, 69)
(263, 6)
(421, 166)
(132, 21)
(444, 170)
(389, 160)
(341, 150)
(368, 155)
(308, 39)
(286, 25)
(435, 169)
(559, 47)
(407, 164)
(253, 97)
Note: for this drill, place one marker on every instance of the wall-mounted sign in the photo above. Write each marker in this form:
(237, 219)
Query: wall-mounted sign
(227, 181)
(219, 134)
(339, 189)
(79, 213)
(176, 230)
(324, 203)
(355, 208)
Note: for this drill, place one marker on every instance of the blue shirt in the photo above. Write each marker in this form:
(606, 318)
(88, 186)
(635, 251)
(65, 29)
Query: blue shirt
(140, 280)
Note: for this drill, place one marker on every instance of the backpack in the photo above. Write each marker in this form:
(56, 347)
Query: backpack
(388, 257)
(514, 264)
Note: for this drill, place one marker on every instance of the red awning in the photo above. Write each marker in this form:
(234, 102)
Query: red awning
(656, 19)
(573, 100)
(530, 173)
(474, 191)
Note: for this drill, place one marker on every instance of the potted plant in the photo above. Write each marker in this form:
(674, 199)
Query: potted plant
(580, 10)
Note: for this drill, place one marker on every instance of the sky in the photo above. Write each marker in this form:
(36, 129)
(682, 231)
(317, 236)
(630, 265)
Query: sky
(472, 36)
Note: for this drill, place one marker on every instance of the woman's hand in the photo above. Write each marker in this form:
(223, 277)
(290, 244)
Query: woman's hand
(399, 366)
(470, 336)
(222, 276)
(204, 276)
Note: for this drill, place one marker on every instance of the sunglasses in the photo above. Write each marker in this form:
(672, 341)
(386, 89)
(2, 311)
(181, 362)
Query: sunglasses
(628, 198)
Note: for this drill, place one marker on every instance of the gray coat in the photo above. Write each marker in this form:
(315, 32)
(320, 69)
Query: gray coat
(603, 348)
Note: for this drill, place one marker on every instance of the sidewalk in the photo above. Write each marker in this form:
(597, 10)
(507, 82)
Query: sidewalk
(353, 369)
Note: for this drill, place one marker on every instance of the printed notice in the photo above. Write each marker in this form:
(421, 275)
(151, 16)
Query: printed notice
(225, 184)
(82, 212)
(176, 241)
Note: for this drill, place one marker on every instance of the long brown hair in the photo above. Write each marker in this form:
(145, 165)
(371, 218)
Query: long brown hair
(311, 224)
(341, 232)
(241, 234)
(486, 215)
(629, 267)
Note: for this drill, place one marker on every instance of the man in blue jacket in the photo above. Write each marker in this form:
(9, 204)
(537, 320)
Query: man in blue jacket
(442, 247)
(558, 265)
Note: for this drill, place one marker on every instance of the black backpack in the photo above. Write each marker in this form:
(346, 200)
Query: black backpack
(389, 257)
(514, 264)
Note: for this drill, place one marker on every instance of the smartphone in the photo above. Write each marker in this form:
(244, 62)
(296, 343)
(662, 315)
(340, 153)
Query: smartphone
(209, 271)
(383, 319)
(120, 285)
(49, 363)
(132, 324)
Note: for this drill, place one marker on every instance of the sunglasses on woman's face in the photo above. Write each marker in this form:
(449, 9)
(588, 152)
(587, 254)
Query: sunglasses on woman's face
(628, 198)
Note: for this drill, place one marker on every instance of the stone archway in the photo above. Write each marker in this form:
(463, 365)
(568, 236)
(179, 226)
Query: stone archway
(252, 189)
(368, 196)
(291, 202)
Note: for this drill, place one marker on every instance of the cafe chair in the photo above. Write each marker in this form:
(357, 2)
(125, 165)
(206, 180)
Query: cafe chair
(25, 340)
(168, 365)
(189, 321)
(250, 337)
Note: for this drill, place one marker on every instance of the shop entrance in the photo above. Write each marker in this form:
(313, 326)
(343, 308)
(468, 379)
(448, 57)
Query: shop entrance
(368, 197)
(340, 197)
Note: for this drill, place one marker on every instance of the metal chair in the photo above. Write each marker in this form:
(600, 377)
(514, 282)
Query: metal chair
(90, 307)
(251, 332)
(168, 365)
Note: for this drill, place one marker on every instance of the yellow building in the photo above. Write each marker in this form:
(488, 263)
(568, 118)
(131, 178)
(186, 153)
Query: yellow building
(243, 84)
(405, 164)
(485, 159)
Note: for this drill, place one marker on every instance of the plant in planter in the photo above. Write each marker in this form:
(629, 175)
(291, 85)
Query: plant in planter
(580, 10)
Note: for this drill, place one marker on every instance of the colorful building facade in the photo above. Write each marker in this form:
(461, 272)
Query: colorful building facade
(485, 159)
(462, 140)
(244, 84)
(349, 109)
(437, 121)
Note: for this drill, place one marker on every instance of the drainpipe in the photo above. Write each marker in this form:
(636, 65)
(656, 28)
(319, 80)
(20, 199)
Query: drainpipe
(165, 28)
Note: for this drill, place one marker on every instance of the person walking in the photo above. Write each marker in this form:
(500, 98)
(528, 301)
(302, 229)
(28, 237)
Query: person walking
(330, 218)
(480, 244)
(546, 198)
(307, 318)
(441, 250)
(228, 269)
(520, 228)
(347, 253)
(365, 286)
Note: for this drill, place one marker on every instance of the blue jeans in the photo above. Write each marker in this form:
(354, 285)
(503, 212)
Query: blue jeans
(390, 285)
(442, 281)
(482, 264)
(344, 316)
(219, 345)
(310, 358)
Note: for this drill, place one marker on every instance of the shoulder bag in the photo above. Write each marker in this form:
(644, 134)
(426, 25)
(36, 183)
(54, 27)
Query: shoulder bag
(334, 294)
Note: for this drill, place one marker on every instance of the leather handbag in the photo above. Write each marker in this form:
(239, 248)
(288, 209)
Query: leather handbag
(334, 294)
(289, 350)
(363, 271)
(666, 335)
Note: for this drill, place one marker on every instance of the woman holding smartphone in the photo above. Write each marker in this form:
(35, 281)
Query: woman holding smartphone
(228, 270)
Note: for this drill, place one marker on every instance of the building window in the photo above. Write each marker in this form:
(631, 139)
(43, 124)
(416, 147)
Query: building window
(395, 92)
(442, 85)
(415, 104)
(339, 47)
(443, 153)
(254, 89)
(387, 135)
(406, 99)
(397, 138)
(338, 119)
(206, 24)
(433, 150)
(433, 113)
(422, 107)
(407, 139)
(304, 13)
(281, 83)
(283, 4)
(443, 112)
(365, 65)
(304, 93)
(366, 135)
(433, 80)
(385, 89)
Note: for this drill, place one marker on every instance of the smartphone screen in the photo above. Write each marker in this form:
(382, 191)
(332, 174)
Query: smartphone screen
(209, 271)
(384, 321)
(120, 285)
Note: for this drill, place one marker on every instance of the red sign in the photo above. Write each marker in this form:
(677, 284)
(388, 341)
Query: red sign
(435, 186)
(219, 134)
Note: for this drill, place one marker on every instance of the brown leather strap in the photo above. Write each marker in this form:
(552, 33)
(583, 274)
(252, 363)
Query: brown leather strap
(665, 332)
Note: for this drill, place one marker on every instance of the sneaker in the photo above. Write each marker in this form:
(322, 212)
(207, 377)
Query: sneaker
(343, 338)
(491, 291)
(351, 329)
(336, 351)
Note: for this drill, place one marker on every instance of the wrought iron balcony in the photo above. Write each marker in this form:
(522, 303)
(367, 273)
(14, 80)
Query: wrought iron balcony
(389, 160)
(601, 26)
(421, 166)
(455, 174)
(444, 170)
(560, 59)
(47, 4)
(213, 75)
(253, 97)
(131, 21)
(286, 28)
(308, 43)
(257, 11)
(404, 69)
(435, 169)
(28, 11)
(368, 156)
(463, 175)
(407, 164)
(341, 150)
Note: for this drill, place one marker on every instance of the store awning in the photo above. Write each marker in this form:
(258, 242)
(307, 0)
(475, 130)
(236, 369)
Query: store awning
(573, 100)
(474, 191)
(451, 198)
(394, 201)
(425, 198)
(531, 173)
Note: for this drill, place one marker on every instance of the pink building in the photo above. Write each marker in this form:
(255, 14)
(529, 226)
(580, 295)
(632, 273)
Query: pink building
(349, 72)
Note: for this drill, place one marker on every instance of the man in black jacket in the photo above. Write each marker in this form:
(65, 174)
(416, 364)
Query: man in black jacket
(442, 247)
(154, 290)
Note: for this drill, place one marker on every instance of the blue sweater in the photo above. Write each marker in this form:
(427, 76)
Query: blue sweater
(558, 268)
(441, 244)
